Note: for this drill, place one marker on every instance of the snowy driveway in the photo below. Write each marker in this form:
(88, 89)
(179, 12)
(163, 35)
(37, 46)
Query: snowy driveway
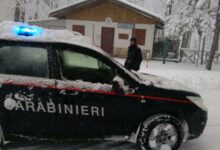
(210, 138)
(205, 82)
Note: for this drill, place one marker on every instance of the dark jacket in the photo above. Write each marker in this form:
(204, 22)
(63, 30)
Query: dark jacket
(134, 58)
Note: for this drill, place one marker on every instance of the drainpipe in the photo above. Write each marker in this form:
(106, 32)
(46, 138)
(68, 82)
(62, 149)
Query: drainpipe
(93, 34)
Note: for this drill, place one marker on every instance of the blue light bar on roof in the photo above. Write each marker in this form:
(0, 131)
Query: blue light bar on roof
(28, 31)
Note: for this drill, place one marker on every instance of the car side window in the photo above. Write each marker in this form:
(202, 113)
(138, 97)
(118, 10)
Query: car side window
(24, 61)
(79, 66)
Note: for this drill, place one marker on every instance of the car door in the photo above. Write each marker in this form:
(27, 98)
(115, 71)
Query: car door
(26, 91)
(89, 106)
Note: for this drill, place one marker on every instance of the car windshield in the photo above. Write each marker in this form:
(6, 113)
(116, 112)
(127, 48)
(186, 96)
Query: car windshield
(22, 60)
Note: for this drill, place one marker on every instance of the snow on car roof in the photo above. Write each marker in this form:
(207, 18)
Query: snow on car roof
(7, 32)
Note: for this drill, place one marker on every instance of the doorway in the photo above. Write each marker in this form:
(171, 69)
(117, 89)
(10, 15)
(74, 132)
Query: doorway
(107, 40)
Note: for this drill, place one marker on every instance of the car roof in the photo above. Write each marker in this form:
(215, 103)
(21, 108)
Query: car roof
(47, 36)
(53, 36)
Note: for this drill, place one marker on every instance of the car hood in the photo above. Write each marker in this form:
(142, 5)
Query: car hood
(160, 82)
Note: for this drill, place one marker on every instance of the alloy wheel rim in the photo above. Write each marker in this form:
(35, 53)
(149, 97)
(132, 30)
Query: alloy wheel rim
(163, 136)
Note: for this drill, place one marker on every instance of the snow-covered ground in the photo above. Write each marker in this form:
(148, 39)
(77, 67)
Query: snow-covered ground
(207, 83)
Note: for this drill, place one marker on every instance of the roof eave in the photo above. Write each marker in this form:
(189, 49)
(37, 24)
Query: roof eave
(158, 19)
(60, 13)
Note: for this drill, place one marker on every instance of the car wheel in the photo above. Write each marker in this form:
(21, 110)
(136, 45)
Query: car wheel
(160, 132)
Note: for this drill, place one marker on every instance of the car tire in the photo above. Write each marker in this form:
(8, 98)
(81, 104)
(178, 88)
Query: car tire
(2, 139)
(160, 132)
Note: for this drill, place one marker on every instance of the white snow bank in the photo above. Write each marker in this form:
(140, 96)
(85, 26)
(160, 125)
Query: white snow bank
(192, 79)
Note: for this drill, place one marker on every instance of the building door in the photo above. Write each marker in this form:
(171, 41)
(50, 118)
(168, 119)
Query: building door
(140, 34)
(79, 28)
(107, 42)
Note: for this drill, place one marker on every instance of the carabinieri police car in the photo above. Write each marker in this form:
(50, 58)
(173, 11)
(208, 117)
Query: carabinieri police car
(56, 85)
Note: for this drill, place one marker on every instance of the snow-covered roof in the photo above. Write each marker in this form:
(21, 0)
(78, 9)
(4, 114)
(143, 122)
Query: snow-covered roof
(7, 32)
(60, 12)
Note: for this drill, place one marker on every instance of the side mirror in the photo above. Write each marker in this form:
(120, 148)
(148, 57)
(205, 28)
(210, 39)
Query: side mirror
(118, 85)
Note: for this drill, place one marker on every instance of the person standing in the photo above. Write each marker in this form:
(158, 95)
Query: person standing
(134, 57)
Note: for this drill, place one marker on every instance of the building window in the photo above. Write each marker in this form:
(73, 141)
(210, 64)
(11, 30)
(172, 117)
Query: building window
(123, 36)
(79, 28)
(140, 34)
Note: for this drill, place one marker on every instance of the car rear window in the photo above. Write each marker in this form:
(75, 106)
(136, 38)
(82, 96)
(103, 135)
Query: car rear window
(25, 61)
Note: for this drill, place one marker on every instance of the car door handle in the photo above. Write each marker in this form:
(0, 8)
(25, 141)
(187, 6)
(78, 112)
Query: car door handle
(142, 101)
(63, 92)
(74, 93)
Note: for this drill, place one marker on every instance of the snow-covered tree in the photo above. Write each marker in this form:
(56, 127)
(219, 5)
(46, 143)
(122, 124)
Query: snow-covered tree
(189, 15)
(66, 2)
(7, 10)
(32, 9)
(25, 10)
(19, 12)
(39, 9)
(156, 6)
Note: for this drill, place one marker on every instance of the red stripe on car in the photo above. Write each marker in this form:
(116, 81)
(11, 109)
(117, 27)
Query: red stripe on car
(140, 97)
